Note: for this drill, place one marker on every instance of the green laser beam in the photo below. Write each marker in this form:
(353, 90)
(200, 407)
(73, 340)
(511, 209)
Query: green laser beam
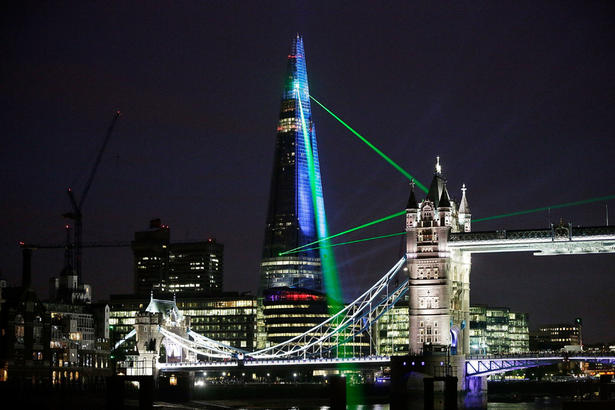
(327, 258)
(372, 146)
(356, 228)
(544, 208)
(355, 241)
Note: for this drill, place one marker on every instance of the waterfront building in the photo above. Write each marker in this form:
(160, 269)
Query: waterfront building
(518, 332)
(78, 341)
(497, 330)
(391, 331)
(289, 312)
(229, 318)
(195, 268)
(557, 336)
(291, 220)
(52, 342)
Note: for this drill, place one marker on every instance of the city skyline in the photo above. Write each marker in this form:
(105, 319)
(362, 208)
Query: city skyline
(516, 102)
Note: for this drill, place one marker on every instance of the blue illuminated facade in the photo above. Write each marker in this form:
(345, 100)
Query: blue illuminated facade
(291, 220)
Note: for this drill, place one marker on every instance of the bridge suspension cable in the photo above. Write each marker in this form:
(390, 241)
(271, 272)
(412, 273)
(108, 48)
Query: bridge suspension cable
(214, 344)
(125, 338)
(320, 338)
(205, 349)
(354, 319)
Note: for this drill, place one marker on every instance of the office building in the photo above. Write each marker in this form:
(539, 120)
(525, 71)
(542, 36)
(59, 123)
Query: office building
(195, 268)
(229, 318)
(151, 254)
(497, 330)
(289, 312)
(391, 331)
(557, 336)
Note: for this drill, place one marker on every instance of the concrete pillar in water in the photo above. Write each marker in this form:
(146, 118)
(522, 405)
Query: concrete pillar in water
(476, 384)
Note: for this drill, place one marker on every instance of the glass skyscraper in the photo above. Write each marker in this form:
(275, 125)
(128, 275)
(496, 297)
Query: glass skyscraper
(296, 188)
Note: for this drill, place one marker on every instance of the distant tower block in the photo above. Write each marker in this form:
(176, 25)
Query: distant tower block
(439, 279)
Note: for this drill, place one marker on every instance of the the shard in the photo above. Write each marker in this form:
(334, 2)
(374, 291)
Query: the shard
(296, 188)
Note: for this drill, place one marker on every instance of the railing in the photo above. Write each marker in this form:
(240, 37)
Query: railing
(556, 232)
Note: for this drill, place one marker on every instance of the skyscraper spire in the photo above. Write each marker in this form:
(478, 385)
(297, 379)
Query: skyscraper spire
(296, 206)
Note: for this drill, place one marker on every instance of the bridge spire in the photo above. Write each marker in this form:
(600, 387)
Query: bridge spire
(437, 185)
(464, 208)
(412, 203)
(465, 215)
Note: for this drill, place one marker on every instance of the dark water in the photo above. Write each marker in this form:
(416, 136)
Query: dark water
(307, 404)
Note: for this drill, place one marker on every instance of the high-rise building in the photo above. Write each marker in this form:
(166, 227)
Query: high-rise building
(151, 254)
(195, 268)
(295, 188)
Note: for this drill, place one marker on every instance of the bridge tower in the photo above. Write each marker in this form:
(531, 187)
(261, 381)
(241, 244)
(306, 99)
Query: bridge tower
(439, 278)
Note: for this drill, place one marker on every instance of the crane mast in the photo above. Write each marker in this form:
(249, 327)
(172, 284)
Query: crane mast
(76, 215)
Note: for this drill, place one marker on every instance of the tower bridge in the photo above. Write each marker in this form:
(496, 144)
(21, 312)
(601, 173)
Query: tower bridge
(435, 274)
(434, 271)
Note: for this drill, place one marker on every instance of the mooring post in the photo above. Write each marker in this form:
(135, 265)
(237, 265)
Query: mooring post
(337, 392)
(605, 386)
(450, 392)
(428, 396)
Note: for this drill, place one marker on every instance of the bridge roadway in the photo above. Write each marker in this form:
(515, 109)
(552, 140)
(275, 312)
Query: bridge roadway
(558, 240)
(319, 363)
(475, 366)
(486, 365)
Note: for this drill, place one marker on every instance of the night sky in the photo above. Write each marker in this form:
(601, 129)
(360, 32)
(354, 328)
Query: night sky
(517, 98)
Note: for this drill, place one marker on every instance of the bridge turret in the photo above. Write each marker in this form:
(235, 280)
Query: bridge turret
(464, 214)
(445, 208)
(439, 288)
(412, 209)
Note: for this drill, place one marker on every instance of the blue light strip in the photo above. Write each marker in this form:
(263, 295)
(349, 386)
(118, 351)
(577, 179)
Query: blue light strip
(305, 206)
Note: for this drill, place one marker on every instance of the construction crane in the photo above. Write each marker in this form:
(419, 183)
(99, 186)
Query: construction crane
(76, 214)
(27, 249)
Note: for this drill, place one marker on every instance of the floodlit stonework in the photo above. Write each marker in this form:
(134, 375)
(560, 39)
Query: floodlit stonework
(439, 278)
